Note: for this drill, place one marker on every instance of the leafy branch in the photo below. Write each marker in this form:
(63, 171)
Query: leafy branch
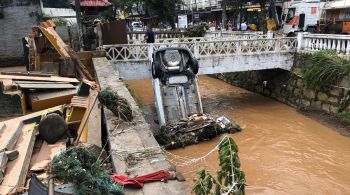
(230, 178)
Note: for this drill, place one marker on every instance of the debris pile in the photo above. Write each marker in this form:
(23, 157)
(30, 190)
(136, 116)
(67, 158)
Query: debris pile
(118, 105)
(197, 128)
(78, 166)
(58, 98)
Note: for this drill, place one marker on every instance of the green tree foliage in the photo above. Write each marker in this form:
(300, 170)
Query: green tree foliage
(126, 5)
(230, 178)
(196, 31)
(164, 10)
(325, 68)
(56, 3)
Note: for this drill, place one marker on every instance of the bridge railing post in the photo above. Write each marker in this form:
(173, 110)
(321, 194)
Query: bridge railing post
(238, 48)
(196, 50)
(301, 40)
(150, 52)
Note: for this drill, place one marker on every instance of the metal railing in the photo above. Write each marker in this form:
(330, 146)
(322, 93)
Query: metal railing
(217, 48)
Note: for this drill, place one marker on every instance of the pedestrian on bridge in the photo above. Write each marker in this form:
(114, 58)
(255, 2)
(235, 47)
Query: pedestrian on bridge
(149, 37)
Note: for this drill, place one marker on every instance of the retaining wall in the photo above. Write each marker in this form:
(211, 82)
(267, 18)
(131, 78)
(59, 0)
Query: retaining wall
(134, 150)
(289, 87)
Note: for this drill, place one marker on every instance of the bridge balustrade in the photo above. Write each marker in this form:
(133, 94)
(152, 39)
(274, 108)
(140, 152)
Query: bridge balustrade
(202, 49)
(135, 37)
(317, 42)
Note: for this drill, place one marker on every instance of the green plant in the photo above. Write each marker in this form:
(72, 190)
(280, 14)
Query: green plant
(60, 22)
(118, 105)
(325, 68)
(230, 178)
(342, 116)
(196, 31)
(78, 166)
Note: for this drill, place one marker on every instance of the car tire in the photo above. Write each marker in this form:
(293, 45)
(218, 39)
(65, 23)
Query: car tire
(194, 66)
(156, 71)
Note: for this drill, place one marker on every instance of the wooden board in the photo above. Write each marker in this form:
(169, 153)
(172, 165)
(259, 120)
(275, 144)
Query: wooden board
(94, 123)
(46, 86)
(41, 160)
(43, 100)
(35, 78)
(16, 170)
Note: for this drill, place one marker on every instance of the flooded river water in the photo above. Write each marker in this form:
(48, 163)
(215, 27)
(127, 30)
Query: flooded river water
(281, 150)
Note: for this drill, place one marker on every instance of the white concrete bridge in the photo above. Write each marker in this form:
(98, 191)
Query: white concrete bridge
(220, 54)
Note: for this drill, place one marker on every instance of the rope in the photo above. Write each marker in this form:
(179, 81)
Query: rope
(188, 161)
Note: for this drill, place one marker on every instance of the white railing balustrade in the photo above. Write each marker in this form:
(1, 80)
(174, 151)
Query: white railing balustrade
(237, 34)
(138, 37)
(202, 49)
(135, 37)
(317, 42)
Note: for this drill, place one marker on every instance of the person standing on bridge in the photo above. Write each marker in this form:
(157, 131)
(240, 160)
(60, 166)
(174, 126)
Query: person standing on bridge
(149, 37)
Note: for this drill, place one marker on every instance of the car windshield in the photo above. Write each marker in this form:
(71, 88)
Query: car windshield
(291, 13)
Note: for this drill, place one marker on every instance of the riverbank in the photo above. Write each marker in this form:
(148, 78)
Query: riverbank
(328, 120)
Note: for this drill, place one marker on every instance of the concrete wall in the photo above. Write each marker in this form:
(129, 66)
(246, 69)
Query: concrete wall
(19, 17)
(290, 88)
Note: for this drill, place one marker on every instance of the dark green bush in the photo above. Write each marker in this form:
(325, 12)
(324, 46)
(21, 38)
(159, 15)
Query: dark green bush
(196, 31)
(325, 68)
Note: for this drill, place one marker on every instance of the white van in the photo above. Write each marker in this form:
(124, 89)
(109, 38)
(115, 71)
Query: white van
(302, 16)
(137, 26)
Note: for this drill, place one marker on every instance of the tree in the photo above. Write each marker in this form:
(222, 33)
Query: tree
(124, 5)
(56, 4)
(233, 6)
(164, 10)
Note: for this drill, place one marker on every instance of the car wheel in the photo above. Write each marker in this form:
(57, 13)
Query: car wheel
(156, 70)
(194, 66)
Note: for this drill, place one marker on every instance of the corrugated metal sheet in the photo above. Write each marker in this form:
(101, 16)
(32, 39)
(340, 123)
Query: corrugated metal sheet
(94, 3)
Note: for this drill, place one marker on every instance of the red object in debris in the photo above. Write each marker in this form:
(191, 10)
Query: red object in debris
(93, 3)
(137, 181)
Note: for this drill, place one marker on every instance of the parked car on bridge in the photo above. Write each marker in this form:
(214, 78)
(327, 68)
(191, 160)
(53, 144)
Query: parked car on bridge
(137, 26)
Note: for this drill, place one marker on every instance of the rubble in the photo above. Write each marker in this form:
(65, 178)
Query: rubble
(197, 128)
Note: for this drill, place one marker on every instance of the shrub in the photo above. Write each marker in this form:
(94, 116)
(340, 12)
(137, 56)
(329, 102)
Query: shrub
(196, 31)
(325, 68)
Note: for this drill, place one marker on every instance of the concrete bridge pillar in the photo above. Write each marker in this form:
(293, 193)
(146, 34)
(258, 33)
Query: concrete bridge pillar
(300, 39)
(269, 34)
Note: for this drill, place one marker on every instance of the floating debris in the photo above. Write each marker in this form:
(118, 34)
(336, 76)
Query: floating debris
(198, 128)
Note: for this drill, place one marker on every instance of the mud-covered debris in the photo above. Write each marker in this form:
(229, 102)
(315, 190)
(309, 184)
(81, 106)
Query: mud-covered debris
(197, 128)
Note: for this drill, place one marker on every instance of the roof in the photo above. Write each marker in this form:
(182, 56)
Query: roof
(338, 4)
(93, 3)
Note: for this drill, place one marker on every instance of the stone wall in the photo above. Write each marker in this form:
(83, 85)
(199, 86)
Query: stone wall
(18, 18)
(290, 88)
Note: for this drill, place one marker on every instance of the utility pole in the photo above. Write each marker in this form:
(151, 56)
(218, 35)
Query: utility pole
(78, 15)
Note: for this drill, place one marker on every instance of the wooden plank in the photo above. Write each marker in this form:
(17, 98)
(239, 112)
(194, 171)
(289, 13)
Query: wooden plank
(46, 86)
(3, 165)
(94, 123)
(43, 100)
(16, 170)
(41, 82)
(43, 158)
(2, 127)
(35, 78)
(27, 74)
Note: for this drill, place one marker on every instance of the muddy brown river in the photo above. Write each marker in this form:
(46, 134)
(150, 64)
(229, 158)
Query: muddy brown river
(281, 150)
